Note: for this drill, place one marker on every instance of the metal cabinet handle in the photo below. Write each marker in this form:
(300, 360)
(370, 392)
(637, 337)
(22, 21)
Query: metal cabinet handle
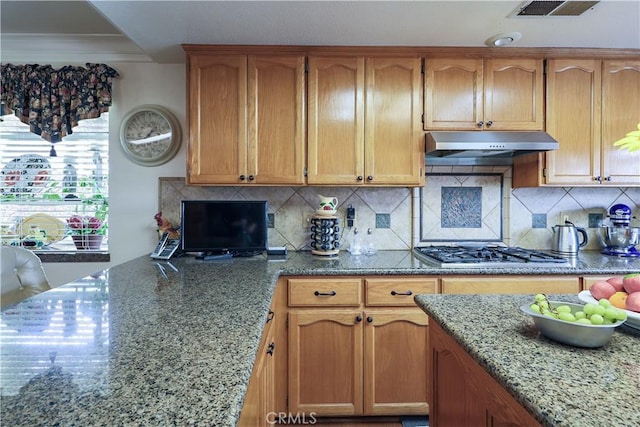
(598, 178)
(271, 348)
(324, 294)
(369, 319)
(394, 293)
(369, 178)
(489, 123)
(480, 124)
(358, 318)
(242, 177)
(359, 178)
(270, 316)
(251, 177)
(608, 178)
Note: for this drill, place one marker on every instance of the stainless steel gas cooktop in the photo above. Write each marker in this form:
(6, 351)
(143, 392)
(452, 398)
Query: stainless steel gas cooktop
(488, 256)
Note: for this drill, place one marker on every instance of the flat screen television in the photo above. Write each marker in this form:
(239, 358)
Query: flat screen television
(212, 227)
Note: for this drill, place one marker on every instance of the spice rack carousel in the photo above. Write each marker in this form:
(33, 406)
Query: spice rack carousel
(325, 235)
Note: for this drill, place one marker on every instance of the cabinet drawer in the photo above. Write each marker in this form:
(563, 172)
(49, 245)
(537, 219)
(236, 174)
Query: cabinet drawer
(398, 292)
(511, 285)
(324, 292)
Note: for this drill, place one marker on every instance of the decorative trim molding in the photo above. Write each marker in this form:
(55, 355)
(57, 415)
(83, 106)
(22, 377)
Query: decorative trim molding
(59, 48)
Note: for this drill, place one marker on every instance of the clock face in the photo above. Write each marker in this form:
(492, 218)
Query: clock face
(150, 135)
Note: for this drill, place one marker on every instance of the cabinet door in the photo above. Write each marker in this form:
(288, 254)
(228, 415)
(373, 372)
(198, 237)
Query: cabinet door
(453, 94)
(276, 152)
(620, 115)
(394, 140)
(511, 285)
(514, 94)
(217, 150)
(325, 362)
(395, 368)
(573, 118)
(336, 121)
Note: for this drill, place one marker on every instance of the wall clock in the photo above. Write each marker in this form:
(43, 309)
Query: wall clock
(150, 135)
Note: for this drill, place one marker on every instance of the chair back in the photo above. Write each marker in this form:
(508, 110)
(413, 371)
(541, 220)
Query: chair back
(22, 275)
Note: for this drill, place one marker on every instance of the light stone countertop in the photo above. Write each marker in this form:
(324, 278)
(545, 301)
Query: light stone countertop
(559, 384)
(140, 345)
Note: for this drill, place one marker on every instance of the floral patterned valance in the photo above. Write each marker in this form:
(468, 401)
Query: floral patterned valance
(52, 101)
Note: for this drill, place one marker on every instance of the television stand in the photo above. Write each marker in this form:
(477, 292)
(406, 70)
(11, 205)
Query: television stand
(217, 256)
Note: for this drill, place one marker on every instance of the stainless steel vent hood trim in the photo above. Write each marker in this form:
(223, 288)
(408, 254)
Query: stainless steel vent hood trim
(484, 147)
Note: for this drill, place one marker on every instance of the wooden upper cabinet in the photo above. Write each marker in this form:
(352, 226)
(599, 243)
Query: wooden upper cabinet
(394, 139)
(490, 94)
(573, 118)
(246, 119)
(217, 151)
(336, 120)
(620, 115)
(365, 121)
(591, 103)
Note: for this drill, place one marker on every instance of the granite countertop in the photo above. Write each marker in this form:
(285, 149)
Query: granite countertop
(169, 343)
(560, 385)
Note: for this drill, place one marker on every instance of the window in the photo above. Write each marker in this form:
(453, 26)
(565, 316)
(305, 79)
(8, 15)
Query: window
(38, 192)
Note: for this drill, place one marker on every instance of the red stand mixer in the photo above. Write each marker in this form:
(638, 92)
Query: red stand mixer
(620, 239)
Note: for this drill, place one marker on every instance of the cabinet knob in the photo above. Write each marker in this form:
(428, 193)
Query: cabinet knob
(358, 318)
(251, 177)
(324, 294)
(598, 178)
(271, 348)
(608, 178)
(480, 124)
(359, 178)
(242, 177)
(369, 178)
(369, 319)
(489, 123)
(394, 293)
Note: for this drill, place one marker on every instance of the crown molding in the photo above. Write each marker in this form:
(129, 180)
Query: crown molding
(64, 48)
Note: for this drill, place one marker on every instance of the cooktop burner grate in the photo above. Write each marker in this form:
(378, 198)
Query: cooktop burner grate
(488, 256)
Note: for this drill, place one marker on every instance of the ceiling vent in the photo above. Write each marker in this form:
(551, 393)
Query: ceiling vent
(554, 8)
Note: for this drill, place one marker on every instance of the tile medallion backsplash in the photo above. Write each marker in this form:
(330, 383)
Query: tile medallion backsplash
(457, 204)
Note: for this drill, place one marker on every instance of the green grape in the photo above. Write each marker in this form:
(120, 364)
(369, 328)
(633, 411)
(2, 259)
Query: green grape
(599, 309)
(549, 313)
(535, 308)
(589, 308)
(607, 321)
(621, 315)
(584, 320)
(568, 317)
(540, 297)
(543, 304)
(563, 309)
(580, 315)
(604, 302)
(611, 314)
(596, 319)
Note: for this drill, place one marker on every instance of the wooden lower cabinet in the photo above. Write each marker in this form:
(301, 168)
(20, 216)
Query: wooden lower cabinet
(511, 285)
(463, 393)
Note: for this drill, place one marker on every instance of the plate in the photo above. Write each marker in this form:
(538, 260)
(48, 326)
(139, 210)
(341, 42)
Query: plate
(28, 173)
(633, 318)
(53, 227)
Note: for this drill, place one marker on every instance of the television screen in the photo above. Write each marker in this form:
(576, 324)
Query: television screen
(238, 227)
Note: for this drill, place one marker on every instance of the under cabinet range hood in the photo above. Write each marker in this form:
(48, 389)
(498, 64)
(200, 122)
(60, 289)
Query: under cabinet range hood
(484, 147)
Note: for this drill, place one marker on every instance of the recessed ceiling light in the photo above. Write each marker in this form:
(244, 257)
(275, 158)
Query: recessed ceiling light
(501, 40)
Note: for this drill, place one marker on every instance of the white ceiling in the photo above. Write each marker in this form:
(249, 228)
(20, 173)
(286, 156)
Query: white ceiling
(101, 31)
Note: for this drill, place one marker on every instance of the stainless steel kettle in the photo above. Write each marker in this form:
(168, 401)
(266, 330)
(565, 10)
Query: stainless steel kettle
(566, 241)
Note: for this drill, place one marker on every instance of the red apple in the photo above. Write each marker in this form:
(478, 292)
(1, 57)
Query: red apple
(601, 289)
(631, 283)
(616, 282)
(633, 302)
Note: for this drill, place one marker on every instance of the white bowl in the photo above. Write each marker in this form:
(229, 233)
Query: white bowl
(633, 317)
(571, 333)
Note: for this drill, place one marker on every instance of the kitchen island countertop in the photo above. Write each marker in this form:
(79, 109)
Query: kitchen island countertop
(559, 384)
(170, 343)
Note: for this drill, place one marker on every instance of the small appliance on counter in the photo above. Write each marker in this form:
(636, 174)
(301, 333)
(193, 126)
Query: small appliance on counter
(566, 239)
(620, 238)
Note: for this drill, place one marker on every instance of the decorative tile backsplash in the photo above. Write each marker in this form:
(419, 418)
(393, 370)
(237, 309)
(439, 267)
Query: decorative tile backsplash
(457, 204)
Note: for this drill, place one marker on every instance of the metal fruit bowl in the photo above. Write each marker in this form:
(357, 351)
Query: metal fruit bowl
(571, 333)
(619, 237)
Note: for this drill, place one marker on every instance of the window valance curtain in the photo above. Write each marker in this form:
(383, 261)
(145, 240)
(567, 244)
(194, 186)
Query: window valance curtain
(52, 101)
